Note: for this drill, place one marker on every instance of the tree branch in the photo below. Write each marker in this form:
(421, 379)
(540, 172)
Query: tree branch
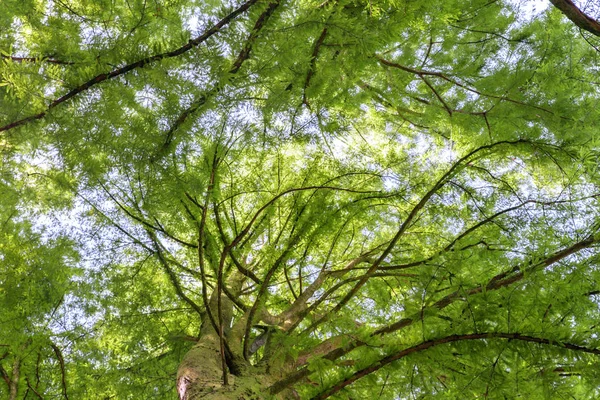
(14, 379)
(448, 339)
(468, 231)
(500, 280)
(403, 227)
(201, 232)
(299, 309)
(242, 56)
(262, 290)
(34, 390)
(245, 231)
(172, 276)
(313, 62)
(422, 73)
(61, 362)
(138, 64)
(3, 372)
(577, 16)
(435, 92)
(260, 23)
(241, 269)
(36, 59)
(142, 221)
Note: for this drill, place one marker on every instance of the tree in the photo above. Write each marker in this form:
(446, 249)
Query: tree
(308, 199)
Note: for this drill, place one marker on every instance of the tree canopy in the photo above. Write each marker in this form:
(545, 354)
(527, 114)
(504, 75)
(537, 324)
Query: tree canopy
(391, 199)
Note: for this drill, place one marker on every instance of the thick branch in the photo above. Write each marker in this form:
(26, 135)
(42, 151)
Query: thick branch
(262, 290)
(577, 16)
(448, 339)
(245, 231)
(467, 232)
(61, 362)
(171, 274)
(201, 232)
(14, 379)
(35, 59)
(422, 73)
(138, 64)
(3, 372)
(300, 309)
(300, 304)
(243, 56)
(517, 273)
(313, 63)
(403, 227)
(260, 23)
(220, 286)
(501, 280)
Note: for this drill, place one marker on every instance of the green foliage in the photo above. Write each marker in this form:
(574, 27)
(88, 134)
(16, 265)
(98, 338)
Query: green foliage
(395, 199)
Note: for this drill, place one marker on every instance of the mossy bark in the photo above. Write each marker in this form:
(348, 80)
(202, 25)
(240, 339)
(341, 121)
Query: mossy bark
(200, 373)
(200, 376)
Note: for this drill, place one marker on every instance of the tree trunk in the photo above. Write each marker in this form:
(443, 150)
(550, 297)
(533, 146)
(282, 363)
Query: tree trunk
(14, 380)
(200, 375)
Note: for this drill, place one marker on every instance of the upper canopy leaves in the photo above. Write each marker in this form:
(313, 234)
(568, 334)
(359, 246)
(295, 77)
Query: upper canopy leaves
(343, 197)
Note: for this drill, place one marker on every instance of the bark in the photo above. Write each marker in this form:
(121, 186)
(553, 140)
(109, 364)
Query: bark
(200, 374)
(14, 379)
(577, 16)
